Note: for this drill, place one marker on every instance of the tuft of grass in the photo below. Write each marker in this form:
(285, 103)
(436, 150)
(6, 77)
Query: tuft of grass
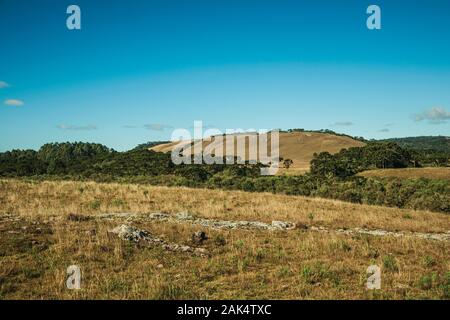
(390, 263)
(174, 292)
(94, 205)
(428, 261)
(118, 203)
(426, 281)
(318, 273)
(220, 240)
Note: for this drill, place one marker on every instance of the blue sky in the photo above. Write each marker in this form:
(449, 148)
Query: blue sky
(137, 69)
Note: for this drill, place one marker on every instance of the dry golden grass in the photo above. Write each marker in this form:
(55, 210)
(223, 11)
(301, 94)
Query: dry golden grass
(36, 250)
(297, 146)
(413, 173)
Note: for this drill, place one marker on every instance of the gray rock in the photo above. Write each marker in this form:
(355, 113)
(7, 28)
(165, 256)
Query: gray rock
(199, 237)
(145, 238)
(129, 233)
(283, 225)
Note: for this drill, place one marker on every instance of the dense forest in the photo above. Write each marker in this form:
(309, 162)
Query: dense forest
(331, 176)
(432, 151)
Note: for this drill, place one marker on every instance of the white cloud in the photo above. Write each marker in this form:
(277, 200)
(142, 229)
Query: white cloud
(3, 84)
(435, 115)
(157, 126)
(342, 123)
(14, 102)
(76, 128)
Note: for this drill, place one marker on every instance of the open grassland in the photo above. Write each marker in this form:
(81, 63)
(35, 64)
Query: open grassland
(410, 173)
(38, 242)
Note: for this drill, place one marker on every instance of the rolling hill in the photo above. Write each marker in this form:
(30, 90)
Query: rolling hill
(297, 146)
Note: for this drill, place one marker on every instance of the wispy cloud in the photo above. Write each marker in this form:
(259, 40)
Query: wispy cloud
(3, 84)
(342, 124)
(435, 115)
(14, 102)
(384, 130)
(129, 126)
(157, 126)
(205, 127)
(77, 128)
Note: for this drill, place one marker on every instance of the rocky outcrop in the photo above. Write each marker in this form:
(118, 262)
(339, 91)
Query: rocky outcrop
(145, 238)
(221, 224)
(184, 217)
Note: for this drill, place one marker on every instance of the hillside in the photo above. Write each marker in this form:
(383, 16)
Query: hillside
(297, 146)
(435, 143)
(440, 173)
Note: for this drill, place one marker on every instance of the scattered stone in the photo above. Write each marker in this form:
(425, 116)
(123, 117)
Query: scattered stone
(160, 266)
(282, 225)
(184, 217)
(199, 237)
(112, 216)
(91, 232)
(301, 226)
(77, 217)
(129, 233)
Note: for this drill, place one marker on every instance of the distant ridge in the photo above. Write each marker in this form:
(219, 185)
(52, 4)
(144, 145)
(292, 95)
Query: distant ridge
(434, 143)
(297, 146)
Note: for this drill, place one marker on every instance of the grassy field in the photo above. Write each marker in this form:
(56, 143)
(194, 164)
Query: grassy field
(38, 242)
(430, 173)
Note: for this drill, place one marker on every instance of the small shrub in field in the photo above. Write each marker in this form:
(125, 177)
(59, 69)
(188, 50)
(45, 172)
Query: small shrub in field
(389, 263)
(239, 244)
(220, 240)
(118, 203)
(445, 286)
(435, 280)
(94, 205)
(283, 271)
(318, 273)
(429, 261)
(344, 246)
(426, 282)
(260, 254)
